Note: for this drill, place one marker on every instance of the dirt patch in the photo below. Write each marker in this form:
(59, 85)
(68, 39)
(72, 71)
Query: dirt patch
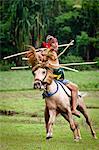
(8, 112)
(92, 107)
(12, 113)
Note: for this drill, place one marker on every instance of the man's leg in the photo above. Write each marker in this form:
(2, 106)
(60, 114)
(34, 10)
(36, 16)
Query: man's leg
(74, 93)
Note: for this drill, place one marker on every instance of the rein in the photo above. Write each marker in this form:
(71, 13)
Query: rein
(44, 77)
(60, 82)
(49, 94)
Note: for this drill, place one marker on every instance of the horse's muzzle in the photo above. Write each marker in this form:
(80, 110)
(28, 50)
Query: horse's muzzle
(38, 85)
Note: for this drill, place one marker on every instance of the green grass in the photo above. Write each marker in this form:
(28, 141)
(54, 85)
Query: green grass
(25, 130)
(15, 80)
(86, 80)
(92, 99)
(21, 101)
(22, 131)
(22, 80)
(30, 135)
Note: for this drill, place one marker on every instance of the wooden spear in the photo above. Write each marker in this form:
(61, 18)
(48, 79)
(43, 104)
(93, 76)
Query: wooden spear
(20, 67)
(39, 49)
(68, 68)
(71, 43)
(83, 63)
(27, 67)
(22, 53)
(71, 64)
(14, 55)
(24, 58)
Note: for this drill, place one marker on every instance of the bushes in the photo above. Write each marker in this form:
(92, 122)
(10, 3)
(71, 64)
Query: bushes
(70, 59)
(4, 66)
(97, 60)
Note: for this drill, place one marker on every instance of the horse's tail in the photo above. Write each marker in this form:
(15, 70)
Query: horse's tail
(83, 94)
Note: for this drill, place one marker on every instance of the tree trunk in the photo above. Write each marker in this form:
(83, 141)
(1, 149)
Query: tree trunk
(88, 54)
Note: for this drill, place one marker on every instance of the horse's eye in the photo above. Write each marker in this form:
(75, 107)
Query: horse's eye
(43, 72)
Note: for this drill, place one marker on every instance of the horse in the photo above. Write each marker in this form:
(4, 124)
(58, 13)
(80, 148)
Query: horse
(57, 97)
(58, 101)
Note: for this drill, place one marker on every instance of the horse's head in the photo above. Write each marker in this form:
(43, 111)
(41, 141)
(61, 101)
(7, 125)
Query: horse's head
(42, 76)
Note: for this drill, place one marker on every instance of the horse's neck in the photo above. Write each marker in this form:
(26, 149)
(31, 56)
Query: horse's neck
(52, 87)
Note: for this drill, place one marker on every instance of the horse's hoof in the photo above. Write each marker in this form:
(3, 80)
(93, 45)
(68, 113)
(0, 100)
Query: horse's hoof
(76, 140)
(95, 137)
(79, 137)
(48, 137)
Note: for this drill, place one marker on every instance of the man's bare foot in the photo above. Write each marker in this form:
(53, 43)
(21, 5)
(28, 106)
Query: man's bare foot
(76, 113)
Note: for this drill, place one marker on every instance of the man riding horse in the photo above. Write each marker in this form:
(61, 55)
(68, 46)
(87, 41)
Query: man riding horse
(49, 56)
(51, 59)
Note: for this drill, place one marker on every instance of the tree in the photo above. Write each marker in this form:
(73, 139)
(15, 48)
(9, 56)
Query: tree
(29, 21)
(15, 22)
(82, 42)
(20, 23)
(89, 17)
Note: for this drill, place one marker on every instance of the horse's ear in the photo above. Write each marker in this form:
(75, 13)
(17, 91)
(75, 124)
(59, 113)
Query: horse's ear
(36, 67)
(32, 56)
(45, 65)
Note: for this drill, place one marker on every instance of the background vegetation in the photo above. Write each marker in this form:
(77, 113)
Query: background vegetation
(21, 108)
(29, 21)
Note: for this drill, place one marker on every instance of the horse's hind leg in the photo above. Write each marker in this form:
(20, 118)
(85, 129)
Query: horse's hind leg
(72, 124)
(76, 125)
(82, 108)
(78, 130)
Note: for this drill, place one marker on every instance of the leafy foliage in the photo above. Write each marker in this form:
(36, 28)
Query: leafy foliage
(29, 21)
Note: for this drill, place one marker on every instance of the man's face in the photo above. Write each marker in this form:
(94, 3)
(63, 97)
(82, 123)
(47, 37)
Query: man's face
(51, 41)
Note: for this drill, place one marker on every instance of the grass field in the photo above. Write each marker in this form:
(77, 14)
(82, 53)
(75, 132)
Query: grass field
(22, 80)
(22, 122)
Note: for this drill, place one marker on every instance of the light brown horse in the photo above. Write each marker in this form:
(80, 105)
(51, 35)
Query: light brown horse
(57, 101)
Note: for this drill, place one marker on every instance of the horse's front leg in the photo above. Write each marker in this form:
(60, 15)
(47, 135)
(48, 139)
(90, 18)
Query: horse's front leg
(46, 115)
(52, 115)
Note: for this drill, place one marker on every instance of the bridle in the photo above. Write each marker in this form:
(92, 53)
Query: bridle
(42, 83)
(47, 93)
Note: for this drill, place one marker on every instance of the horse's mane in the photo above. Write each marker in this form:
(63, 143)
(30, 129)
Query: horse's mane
(39, 65)
(33, 59)
(32, 56)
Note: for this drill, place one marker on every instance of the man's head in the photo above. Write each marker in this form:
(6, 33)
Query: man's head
(52, 41)
(49, 38)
